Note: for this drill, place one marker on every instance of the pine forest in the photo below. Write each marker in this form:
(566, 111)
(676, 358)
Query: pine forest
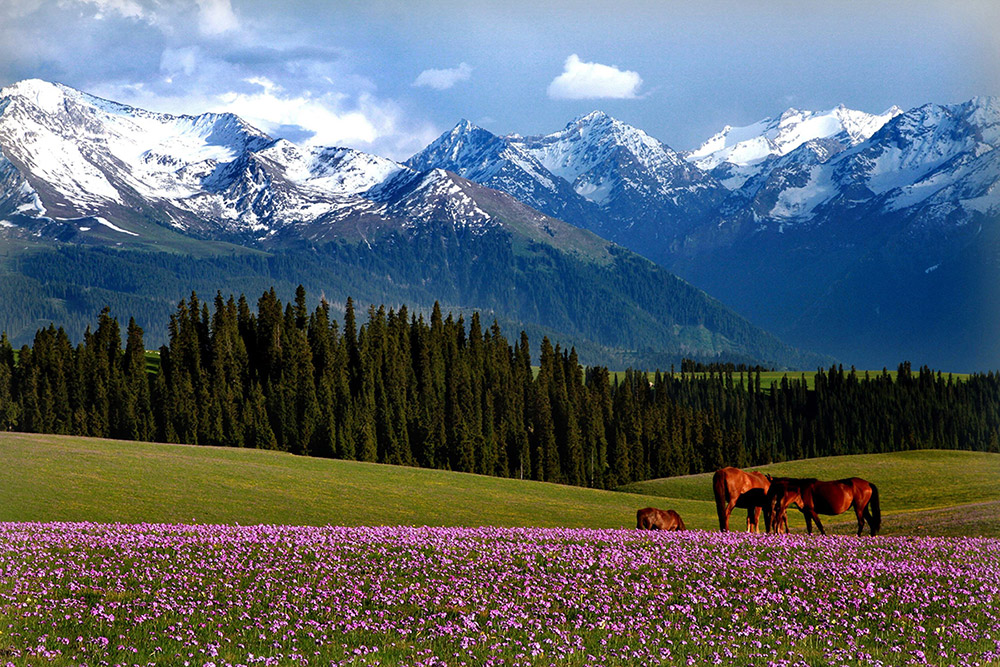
(452, 393)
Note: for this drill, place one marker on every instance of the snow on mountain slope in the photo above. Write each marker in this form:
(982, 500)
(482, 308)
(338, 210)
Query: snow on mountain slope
(72, 163)
(331, 170)
(69, 155)
(584, 151)
(483, 157)
(937, 164)
(925, 148)
(41, 125)
(753, 143)
(503, 164)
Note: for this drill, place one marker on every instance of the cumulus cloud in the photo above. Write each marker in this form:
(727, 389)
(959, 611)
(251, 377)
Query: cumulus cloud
(327, 119)
(582, 80)
(442, 79)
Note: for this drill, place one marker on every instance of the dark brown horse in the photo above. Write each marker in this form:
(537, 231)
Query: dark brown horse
(815, 497)
(650, 518)
(784, 492)
(737, 488)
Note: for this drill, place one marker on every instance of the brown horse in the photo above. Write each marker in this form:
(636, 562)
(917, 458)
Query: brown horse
(784, 492)
(815, 497)
(737, 488)
(650, 518)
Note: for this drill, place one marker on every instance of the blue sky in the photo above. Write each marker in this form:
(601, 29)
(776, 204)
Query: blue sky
(389, 76)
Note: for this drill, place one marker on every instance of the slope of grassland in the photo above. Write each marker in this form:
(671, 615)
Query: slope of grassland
(924, 492)
(64, 478)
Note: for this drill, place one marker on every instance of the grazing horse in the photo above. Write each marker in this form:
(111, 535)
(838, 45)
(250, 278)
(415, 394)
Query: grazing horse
(784, 491)
(815, 497)
(650, 518)
(737, 488)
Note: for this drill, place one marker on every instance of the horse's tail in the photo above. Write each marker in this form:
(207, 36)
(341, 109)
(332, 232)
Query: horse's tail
(638, 519)
(680, 523)
(876, 510)
(719, 486)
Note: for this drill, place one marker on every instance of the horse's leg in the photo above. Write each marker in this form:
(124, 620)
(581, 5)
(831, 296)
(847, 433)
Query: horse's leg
(753, 516)
(809, 523)
(815, 517)
(861, 518)
(867, 516)
(729, 510)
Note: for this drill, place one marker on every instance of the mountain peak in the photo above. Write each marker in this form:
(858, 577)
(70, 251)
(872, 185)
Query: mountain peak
(593, 117)
(45, 95)
(464, 126)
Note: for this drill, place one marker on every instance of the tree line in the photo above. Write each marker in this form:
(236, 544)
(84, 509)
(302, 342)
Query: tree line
(443, 392)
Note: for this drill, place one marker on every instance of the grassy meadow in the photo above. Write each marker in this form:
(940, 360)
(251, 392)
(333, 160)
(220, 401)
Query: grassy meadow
(105, 565)
(922, 492)
(67, 478)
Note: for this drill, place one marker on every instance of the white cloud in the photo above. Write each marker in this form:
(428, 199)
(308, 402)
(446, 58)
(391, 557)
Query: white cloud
(581, 80)
(216, 17)
(271, 108)
(128, 8)
(333, 119)
(442, 79)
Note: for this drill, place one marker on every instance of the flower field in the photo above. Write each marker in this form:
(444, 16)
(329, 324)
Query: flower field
(99, 594)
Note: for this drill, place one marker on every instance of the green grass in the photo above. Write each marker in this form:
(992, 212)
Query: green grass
(770, 378)
(64, 478)
(152, 361)
(922, 492)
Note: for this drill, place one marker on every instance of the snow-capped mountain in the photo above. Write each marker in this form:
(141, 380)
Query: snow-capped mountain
(80, 155)
(584, 152)
(737, 154)
(743, 146)
(505, 165)
(932, 154)
(78, 172)
(646, 191)
(868, 232)
(597, 172)
(76, 165)
(771, 217)
(785, 218)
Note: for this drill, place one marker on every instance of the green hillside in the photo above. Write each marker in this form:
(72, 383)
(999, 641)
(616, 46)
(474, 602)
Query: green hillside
(617, 310)
(924, 492)
(62, 478)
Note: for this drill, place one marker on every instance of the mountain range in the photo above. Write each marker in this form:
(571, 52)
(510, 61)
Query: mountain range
(101, 203)
(870, 237)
